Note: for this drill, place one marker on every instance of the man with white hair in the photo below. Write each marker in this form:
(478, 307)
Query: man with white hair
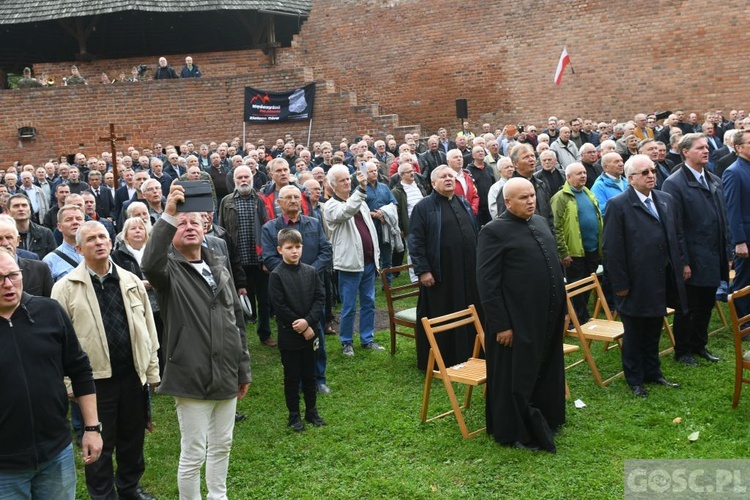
(645, 264)
(565, 149)
(164, 71)
(578, 231)
(356, 255)
(111, 313)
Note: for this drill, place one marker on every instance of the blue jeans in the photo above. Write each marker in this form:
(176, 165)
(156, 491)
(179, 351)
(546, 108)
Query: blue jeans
(351, 285)
(55, 478)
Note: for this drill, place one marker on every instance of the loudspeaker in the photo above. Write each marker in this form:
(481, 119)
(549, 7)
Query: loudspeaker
(462, 109)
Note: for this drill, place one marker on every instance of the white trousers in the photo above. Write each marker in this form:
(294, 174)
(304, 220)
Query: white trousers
(206, 428)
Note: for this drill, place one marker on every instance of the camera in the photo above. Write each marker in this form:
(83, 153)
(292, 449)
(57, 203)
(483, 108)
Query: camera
(142, 70)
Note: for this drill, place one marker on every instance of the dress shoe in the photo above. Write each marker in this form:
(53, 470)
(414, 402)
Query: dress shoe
(312, 417)
(687, 360)
(707, 356)
(270, 342)
(665, 383)
(323, 389)
(525, 446)
(295, 422)
(329, 329)
(138, 494)
(639, 391)
(239, 417)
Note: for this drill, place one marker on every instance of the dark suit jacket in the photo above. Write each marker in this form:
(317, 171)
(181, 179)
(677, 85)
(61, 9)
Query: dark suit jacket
(429, 162)
(724, 163)
(37, 279)
(121, 196)
(637, 247)
(105, 203)
(737, 191)
(702, 215)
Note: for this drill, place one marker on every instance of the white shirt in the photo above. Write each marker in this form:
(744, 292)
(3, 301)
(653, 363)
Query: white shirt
(413, 196)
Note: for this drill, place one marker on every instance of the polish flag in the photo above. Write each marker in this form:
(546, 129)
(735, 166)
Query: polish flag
(561, 65)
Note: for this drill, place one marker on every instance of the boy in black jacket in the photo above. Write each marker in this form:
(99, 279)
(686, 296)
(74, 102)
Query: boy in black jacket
(298, 297)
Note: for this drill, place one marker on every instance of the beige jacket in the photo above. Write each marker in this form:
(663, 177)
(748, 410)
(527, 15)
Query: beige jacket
(75, 292)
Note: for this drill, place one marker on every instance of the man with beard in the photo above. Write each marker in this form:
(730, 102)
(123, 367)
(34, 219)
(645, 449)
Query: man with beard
(442, 244)
(522, 291)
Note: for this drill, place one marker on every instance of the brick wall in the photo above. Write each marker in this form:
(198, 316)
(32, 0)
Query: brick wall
(387, 65)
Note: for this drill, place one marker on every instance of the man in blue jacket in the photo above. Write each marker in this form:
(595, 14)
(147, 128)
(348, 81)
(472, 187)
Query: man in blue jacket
(736, 180)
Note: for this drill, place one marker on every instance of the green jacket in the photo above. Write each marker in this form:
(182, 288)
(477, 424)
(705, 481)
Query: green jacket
(567, 227)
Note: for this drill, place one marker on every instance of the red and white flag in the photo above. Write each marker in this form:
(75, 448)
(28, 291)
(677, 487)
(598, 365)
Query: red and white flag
(561, 65)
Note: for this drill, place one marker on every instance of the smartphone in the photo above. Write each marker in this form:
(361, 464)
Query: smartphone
(363, 167)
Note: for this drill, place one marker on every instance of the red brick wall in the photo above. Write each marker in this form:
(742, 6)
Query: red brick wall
(414, 58)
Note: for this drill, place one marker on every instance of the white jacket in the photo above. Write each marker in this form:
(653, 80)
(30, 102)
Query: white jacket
(345, 240)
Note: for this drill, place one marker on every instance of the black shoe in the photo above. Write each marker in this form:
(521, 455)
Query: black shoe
(664, 382)
(687, 360)
(313, 417)
(295, 422)
(525, 446)
(707, 356)
(639, 391)
(239, 417)
(138, 494)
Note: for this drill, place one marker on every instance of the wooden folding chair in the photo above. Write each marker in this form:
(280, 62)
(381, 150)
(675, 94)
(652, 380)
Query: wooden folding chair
(472, 372)
(568, 349)
(606, 330)
(406, 318)
(741, 358)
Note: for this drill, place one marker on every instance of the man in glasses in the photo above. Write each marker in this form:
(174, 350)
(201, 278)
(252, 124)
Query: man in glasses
(645, 265)
(37, 459)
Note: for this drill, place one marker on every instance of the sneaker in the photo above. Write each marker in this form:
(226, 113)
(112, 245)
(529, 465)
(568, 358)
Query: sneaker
(347, 350)
(312, 417)
(295, 422)
(373, 346)
(323, 389)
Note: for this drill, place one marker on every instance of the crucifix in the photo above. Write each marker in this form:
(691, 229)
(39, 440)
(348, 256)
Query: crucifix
(112, 140)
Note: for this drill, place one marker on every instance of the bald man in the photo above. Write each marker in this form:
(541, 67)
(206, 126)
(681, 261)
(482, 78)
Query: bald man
(522, 293)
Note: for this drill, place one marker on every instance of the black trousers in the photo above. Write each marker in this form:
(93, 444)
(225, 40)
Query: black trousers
(582, 267)
(299, 366)
(640, 349)
(121, 405)
(691, 329)
(259, 280)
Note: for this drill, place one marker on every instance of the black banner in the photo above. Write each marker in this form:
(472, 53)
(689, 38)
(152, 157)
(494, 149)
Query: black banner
(270, 107)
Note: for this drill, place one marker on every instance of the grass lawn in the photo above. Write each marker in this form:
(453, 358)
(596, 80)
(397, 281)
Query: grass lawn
(374, 445)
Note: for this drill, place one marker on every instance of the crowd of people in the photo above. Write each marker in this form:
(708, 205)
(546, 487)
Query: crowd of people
(163, 71)
(499, 219)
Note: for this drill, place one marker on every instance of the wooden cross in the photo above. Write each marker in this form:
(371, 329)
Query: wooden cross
(112, 140)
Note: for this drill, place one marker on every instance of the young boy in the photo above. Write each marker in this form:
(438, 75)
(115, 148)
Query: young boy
(298, 297)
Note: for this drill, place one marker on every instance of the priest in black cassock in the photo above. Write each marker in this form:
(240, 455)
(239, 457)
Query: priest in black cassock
(520, 283)
(442, 243)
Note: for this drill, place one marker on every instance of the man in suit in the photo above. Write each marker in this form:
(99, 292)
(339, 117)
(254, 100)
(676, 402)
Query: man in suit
(699, 198)
(105, 203)
(37, 279)
(645, 264)
(712, 143)
(736, 180)
(124, 193)
(726, 155)
(432, 158)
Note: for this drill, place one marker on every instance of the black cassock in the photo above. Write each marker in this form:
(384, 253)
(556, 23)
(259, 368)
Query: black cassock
(521, 287)
(457, 288)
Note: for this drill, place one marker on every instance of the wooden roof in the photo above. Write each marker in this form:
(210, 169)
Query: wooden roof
(30, 11)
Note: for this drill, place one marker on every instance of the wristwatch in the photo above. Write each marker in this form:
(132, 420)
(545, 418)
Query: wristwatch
(93, 428)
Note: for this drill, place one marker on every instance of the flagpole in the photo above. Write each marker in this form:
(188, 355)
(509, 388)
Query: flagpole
(309, 131)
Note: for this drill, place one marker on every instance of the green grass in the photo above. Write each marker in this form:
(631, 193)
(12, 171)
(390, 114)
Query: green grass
(374, 445)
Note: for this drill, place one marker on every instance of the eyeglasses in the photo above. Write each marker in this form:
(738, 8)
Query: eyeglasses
(647, 171)
(14, 277)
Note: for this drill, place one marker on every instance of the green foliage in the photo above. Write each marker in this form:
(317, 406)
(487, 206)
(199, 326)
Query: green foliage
(374, 445)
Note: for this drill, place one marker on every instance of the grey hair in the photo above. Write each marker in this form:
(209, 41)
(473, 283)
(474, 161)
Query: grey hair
(333, 171)
(88, 223)
(434, 174)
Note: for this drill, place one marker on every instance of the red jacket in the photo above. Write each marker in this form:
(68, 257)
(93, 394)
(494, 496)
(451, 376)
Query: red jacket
(472, 197)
